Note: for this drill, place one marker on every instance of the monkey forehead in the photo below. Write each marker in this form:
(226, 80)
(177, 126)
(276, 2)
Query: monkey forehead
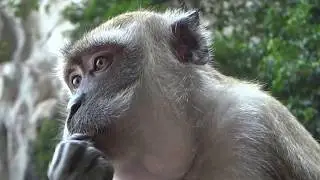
(144, 17)
(96, 39)
(125, 30)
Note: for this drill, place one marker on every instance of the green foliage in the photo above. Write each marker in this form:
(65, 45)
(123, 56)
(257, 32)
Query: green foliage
(23, 8)
(4, 51)
(286, 57)
(44, 147)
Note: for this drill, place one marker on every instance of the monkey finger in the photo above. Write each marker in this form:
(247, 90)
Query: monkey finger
(93, 159)
(65, 157)
(74, 159)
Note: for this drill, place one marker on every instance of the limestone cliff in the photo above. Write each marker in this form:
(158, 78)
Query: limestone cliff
(29, 93)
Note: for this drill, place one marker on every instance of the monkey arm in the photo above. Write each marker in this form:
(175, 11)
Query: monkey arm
(295, 146)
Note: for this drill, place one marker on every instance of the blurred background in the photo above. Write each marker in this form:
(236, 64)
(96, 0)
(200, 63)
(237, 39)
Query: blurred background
(274, 42)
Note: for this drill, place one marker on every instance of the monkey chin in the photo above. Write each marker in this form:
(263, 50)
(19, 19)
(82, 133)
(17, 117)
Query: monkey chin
(107, 143)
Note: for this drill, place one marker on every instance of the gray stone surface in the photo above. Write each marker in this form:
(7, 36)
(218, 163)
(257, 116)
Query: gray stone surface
(29, 92)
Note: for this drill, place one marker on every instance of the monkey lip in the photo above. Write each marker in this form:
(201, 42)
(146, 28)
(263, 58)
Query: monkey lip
(82, 137)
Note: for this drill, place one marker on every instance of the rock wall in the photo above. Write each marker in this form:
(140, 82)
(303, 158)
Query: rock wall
(29, 93)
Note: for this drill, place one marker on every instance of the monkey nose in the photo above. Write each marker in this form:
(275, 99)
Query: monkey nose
(74, 104)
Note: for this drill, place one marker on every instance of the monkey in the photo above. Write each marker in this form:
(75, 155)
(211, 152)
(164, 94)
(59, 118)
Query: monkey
(147, 103)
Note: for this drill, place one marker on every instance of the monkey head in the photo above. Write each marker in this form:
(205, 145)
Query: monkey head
(125, 62)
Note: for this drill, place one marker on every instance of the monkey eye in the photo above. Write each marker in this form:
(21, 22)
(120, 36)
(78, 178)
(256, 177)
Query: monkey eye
(75, 81)
(101, 63)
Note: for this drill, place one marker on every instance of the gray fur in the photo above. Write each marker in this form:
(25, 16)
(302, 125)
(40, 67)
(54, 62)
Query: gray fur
(156, 118)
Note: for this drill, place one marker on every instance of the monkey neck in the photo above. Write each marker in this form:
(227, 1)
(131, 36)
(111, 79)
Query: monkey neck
(168, 111)
(160, 134)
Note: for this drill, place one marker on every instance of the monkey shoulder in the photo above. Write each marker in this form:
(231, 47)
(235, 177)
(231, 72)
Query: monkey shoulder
(262, 132)
(246, 103)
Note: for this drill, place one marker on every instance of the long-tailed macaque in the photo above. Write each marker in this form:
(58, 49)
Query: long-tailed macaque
(146, 101)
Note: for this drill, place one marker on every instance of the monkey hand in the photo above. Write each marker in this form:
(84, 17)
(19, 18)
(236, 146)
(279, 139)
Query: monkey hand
(76, 158)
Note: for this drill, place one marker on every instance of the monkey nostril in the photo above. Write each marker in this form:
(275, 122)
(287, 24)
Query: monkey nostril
(74, 109)
(73, 105)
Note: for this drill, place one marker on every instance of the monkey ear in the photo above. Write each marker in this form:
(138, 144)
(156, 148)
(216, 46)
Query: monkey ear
(190, 41)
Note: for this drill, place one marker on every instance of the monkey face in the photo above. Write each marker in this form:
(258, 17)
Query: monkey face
(101, 81)
(110, 64)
